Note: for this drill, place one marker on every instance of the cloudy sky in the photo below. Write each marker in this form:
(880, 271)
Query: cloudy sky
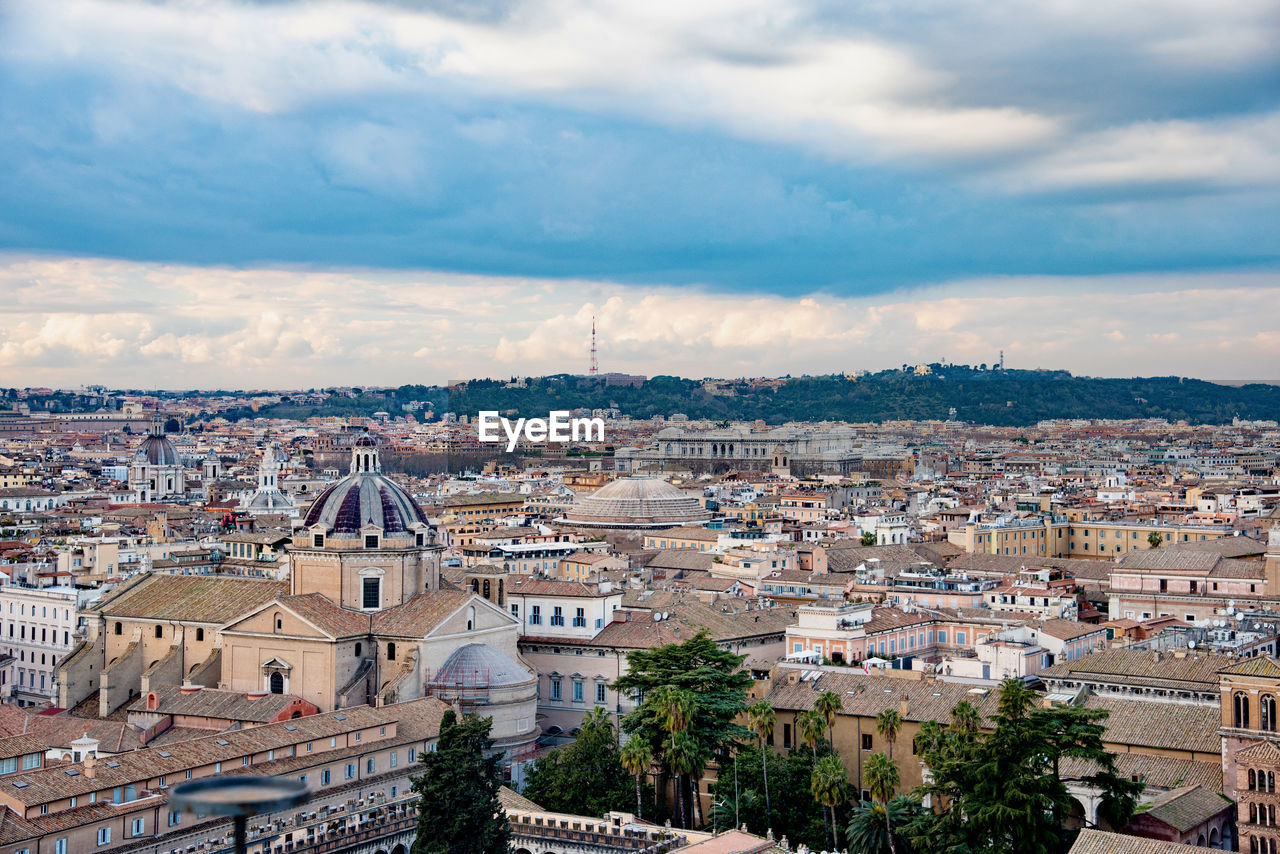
(253, 194)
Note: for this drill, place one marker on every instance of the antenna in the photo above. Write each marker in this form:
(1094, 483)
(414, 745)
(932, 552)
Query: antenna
(1002, 360)
(595, 366)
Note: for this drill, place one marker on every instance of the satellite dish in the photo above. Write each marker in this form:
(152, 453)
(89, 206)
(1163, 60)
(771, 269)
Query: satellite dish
(1191, 644)
(657, 615)
(666, 615)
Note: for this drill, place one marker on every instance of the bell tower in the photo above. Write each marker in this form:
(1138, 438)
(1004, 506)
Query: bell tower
(1272, 571)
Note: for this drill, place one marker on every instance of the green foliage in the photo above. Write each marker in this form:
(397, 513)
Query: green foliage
(458, 807)
(795, 813)
(1154, 539)
(888, 722)
(829, 786)
(586, 777)
(869, 826)
(693, 692)
(868, 539)
(1006, 398)
(1001, 791)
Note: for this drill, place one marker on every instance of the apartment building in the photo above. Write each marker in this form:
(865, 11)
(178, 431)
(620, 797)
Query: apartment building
(37, 628)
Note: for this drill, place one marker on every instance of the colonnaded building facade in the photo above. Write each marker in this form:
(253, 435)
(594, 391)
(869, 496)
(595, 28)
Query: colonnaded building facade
(363, 619)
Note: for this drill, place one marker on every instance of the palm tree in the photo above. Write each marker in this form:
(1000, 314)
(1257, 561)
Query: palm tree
(828, 705)
(965, 718)
(883, 781)
(888, 723)
(866, 833)
(761, 718)
(681, 752)
(637, 757)
(829, 786)
(1154, 539)
(809, 726)
(675, 707)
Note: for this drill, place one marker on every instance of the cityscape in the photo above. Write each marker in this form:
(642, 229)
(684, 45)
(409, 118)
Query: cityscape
(562, 427)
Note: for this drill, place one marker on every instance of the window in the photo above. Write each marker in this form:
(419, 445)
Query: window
(119, 629)
(515, 610)
(60, 847)
(866, 741)
(136, 827)
(174, 818)
(370, 541)
(159, 631)
(580, 619)
(325, 777)
(351, 770)
(413, 754)
(600, 692)
(577, 690)
(317, 541)
(1240, 704)
(557, 616)
(104, 836)
(395, 759)
(277, 683)
(1267, 712)
(555, 689)
(369, 766)
(786, 736)
(30, 761)
(199, 634)
(535, 615)
(372, 592)
(391, 652)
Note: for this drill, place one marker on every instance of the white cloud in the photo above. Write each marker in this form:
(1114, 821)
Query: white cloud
(868, 86)
(189, 326)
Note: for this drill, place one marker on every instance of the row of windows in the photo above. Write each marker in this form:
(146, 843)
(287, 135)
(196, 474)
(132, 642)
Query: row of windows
(118, 629)
(1266, 711)
(1262, 814)
(44, 635)
(44, 611)
(579, 688)
(1262, 781)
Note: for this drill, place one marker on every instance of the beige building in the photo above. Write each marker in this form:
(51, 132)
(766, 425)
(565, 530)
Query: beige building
(363, 619)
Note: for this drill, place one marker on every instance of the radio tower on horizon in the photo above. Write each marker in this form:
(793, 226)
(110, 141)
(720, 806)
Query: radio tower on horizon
(595, 367)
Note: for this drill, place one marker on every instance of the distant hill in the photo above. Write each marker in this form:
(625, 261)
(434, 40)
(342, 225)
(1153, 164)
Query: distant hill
(1005, 398)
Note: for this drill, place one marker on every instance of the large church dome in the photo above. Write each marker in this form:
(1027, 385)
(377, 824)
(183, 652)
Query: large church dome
(156, 449)
(637, 502)
(365, 498)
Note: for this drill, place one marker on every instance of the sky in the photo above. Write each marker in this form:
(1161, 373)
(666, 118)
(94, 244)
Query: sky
(214, 193)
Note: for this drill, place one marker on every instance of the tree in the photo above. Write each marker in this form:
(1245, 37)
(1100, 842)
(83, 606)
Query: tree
(761, 718)
(793, 813)
(809, 726)
(637, 758)
(888, 722)
(1002, 791)
(1154, 539)
(458, 807)
(883, 781)
(868, 538)
(588, 776)
(829, 786)
(828, 705)
(711, 691)
(869, 829)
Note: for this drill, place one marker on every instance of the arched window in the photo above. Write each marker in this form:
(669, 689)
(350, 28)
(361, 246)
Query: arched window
(119, 629)
(1267, 712)
(277, 683)
(1253, 813)
(199, 634)
(1271, 781)
(1253, 780)
(159, 631)
(391, 652)
(1241, 705)
(486, 588)
(471, 618)
(279, 621)
(1271, 814)
(359, 649)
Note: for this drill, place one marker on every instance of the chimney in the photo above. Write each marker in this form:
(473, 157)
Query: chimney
(904, 706)
(91, 767)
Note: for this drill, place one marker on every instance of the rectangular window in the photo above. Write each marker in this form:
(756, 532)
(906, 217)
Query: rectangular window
(325, 777)
(369, 766)
(600, 692)
(580, 619)
(786, 736)
(557, 616)
(174, 817)
(395, 759)
(372, 597)
(351, 770)
(104, 836)
(413, 754)
(555, 689)
(535, 615)
(577, 691)
(30, 761)
(370, 541)
(866, 741)
(136, 827)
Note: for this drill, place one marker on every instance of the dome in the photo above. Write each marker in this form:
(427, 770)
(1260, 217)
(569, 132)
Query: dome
(637, 502)
(156, 450)
(365, 498)
(481, 664)
(362, 499)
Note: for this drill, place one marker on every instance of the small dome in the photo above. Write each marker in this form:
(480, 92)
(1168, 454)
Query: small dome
(637, 502)
(363, 499)
(481, 664)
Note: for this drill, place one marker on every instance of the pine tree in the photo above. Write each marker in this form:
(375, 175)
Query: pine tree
(458, 807)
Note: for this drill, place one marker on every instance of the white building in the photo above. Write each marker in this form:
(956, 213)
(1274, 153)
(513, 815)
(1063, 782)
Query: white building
(37, 628)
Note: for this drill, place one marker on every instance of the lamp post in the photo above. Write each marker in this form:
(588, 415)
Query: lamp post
(239, 798)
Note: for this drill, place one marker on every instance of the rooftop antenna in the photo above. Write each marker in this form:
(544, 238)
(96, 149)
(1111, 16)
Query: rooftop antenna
(595, 367)
(1002, 360)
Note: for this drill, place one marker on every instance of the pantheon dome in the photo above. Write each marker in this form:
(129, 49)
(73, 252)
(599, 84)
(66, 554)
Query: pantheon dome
(637, 502)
